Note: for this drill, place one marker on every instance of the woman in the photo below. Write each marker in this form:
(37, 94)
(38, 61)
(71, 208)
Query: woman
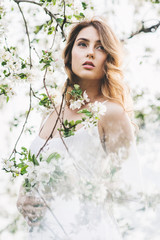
(92, 60)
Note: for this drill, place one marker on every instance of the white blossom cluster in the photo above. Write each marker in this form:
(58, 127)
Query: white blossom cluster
(97, 109)
(74, 10)
(13, 69)
(3, 23)
(77, 104)
(62, 179)
(10, 166)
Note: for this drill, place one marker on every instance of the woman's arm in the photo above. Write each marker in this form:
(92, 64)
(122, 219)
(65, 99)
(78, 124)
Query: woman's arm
(119, 140)
(116, 128)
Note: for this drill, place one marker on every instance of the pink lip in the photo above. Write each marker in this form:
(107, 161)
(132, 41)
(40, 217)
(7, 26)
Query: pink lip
(88, 63)
(88, 66)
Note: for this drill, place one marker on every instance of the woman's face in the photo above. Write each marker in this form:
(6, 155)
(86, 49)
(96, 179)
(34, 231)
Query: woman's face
(88, 55)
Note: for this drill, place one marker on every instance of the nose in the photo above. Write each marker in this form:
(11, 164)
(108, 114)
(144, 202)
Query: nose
(90, 52)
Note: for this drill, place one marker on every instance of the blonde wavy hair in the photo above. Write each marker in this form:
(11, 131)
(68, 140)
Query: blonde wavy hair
(113, 86)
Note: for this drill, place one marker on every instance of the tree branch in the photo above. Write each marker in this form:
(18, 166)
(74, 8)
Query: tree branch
(64, 19)
(54, 37)
(58, 117)
(55, 18)
(47, 12)
(27, 32)
(10, 224)
(54, 216)
(28, 1)
(34, 95)
(151, 29)
(30, 106)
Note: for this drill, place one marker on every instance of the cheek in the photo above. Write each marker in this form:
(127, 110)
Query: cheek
(75, 59)
(102, 63)
(75, 55)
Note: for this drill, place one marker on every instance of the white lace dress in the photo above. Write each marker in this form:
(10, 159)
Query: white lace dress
(76, 215)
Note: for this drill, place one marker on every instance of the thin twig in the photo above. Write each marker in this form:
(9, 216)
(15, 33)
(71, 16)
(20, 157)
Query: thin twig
(64, 18)
(54, 37)
(35, 94)
(28, 1)
(58, 113)
(27, 32)
(151, 29)
(44, 83)
(58, 117)
(22, 130)
(48, 12)
(9, 225)
(52, 213)
(55, 18)
(36, 52)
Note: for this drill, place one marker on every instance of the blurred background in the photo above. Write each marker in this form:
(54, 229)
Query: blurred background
(137, 25)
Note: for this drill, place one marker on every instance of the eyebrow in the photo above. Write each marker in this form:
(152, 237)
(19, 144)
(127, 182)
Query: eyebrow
(87, 40)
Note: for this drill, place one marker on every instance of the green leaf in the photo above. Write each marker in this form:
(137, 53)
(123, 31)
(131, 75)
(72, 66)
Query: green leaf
(23, 170)
(82, 15)
(23, 65)
(86, 112)
(78, 122)
(84, 5)
(27, 184)
(69, 17)
(20, 165)
(38, 28)
(60, 20)
(66, 122)
(54, 2)
(71, 123)
(24, 149)
(45, 101)
(29, 156)
(54, 155)
(4, 63)
(22, 75)
(33, 159)
(76, 86)
(51, 30)
(69, 5)
(79, 17)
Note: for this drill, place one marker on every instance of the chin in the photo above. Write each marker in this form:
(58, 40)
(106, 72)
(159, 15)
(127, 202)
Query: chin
(87, 77)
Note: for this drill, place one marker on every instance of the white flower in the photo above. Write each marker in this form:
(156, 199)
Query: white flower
(85, 97)
(30, 168)
(43, 175)
(101, 192)
(76, 104)
(88, 123)
(98, 108)
(8, 165)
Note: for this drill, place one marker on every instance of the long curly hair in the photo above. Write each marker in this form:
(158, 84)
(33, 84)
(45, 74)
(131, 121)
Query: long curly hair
(113, 86)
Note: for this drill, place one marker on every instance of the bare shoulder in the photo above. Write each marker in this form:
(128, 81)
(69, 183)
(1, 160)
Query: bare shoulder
(114, 111)
(115, 118)
(46, 124)
(116, 126)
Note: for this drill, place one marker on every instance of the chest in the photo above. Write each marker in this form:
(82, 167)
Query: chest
(54, 123)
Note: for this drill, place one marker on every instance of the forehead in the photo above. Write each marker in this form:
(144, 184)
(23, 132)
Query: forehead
(89, 33)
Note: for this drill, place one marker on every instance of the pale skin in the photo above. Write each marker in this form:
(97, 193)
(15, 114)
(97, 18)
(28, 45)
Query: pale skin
(114, 127)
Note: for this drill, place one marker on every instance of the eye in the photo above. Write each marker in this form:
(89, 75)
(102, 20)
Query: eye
(101, 47)
(82, 44)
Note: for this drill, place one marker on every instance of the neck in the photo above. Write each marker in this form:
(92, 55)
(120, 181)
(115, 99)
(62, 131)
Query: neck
(92, 88)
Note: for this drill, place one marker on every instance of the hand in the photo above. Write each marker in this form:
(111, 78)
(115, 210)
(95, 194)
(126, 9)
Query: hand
(32, 208)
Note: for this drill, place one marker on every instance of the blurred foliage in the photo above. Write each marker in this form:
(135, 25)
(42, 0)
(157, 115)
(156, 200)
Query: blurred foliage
(151, 113)
(143, 115)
